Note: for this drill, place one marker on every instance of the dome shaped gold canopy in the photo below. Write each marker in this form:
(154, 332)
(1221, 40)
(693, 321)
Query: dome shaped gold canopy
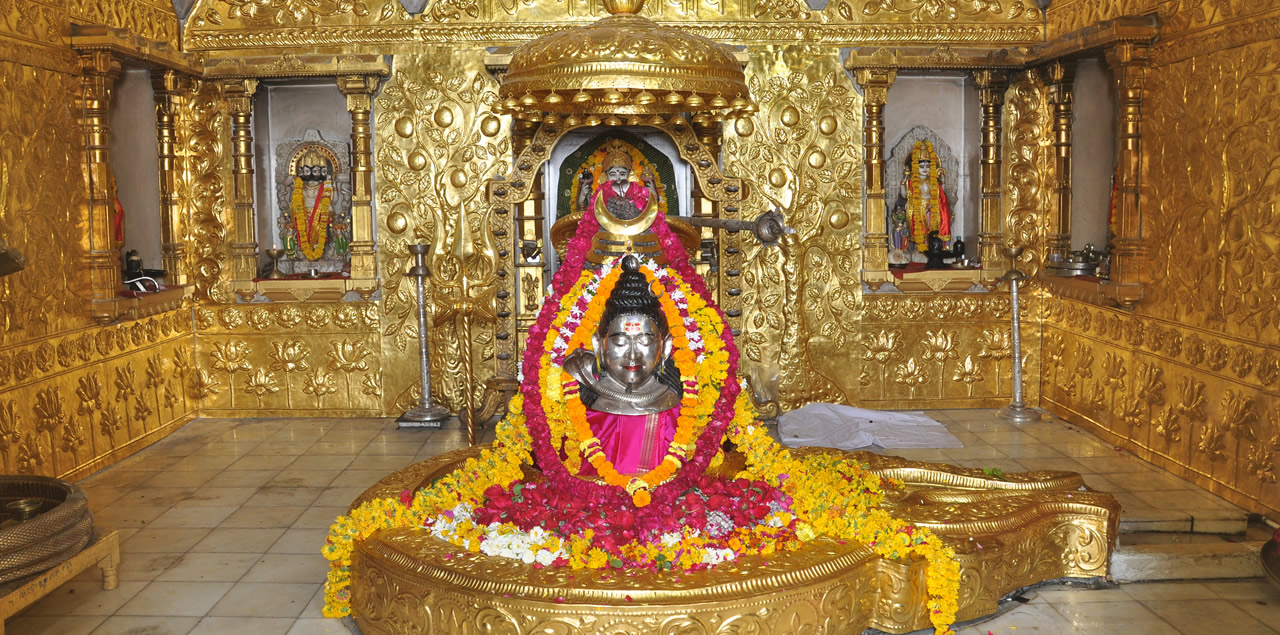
(624, 64)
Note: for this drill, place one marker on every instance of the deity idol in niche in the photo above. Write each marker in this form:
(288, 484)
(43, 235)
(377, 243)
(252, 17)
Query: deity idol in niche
(624, 207)
(628, 381)
(927, 206)
(311, 206)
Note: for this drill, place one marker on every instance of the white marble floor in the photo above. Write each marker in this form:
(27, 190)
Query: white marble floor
(222, 523)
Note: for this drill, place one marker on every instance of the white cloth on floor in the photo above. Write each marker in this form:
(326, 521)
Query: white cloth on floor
(848, 428)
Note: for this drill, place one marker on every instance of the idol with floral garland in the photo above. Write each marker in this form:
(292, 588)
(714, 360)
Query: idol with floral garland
(624, 208)
(927, 207)
(629, 390)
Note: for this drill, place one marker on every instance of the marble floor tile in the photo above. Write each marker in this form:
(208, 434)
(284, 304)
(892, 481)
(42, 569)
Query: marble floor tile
(163, 539)
(298, 477)
(264, 517)
(269, 462)
(209, 567)
(288, 567)
(193, 517)
(265, 599)
(118, 516)
(223, 448)
(313, 626)
(243, 626)
(238, 540)
(140, 567)
(182, 478)
(1207, 616)
(55, 625)
(319, 517)
(1038, 618)
(1161, 591)
(1125, 616)
(85, 597)
(1028, 451)
(277, 496)
(219, 497)
(148, 625)
(155, 496)
(170, 597)
(322, 462)
(1257, 589)
(241, 478)
(300, 541)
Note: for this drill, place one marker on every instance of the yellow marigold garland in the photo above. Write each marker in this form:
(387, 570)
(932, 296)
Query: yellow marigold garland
(311, 238)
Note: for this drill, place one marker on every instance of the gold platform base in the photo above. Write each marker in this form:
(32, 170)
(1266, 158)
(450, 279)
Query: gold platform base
(1008, 532)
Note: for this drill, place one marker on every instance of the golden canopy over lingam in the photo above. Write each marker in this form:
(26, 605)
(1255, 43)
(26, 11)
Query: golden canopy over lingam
(624, 66)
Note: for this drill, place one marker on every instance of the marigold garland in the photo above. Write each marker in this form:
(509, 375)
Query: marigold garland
(312, 232)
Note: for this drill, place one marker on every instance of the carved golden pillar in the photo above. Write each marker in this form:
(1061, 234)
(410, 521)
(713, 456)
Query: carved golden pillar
(98, 73)
(1061, 75)
(991, 87)
(359, 90)
(171, 90)
(875, 237)
(244, 244)
(1128, 63)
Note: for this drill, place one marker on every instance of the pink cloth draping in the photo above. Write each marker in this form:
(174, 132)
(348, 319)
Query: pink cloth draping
(634, 444)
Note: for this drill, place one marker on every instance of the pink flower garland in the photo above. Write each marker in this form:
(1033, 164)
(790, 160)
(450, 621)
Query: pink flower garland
(708, 443)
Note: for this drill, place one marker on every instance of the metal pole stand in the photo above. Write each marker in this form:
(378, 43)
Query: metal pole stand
(425, 414)
(1017, 410)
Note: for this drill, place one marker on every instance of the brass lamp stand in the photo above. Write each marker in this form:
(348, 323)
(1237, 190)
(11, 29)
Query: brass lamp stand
(425, 414)
(1017, 410)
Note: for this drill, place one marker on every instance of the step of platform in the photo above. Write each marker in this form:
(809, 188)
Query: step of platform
(1193, 560)
(1215, 521)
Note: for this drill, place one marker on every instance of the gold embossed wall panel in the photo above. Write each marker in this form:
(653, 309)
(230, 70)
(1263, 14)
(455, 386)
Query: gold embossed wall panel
(151, 19)
(940, 351)
(1203, 405)
(804, 159)
(72, 403)
(40, 195)
(288, 359)
(1212, 221)
(1192, 380)
(436, 146)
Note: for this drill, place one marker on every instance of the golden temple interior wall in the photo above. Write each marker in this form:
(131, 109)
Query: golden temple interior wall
(74, 396)
(1191, 379)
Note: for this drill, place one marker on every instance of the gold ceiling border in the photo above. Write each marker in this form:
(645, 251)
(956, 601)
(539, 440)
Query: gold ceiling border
(153, 20)
(401, 39)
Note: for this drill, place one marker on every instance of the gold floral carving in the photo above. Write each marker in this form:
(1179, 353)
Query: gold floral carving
(951, 10)
(1027, 162)
(805, 159)
(434, 157)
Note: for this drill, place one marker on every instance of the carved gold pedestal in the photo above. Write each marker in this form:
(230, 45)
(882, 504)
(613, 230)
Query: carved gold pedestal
(1009, 532)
